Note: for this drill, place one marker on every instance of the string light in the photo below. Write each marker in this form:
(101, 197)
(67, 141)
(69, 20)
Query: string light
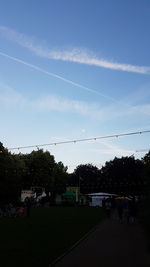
(81, 140)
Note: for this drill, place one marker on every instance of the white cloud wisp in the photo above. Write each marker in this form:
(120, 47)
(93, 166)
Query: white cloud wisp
(77, 55)
(11, 98)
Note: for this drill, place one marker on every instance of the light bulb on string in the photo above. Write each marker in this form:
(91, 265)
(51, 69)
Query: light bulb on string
(81, 140)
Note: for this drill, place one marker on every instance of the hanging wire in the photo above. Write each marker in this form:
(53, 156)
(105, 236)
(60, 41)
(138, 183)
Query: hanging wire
(81, 140)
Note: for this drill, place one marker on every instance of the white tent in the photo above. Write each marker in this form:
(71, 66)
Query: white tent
(101, 194)
(97, 198)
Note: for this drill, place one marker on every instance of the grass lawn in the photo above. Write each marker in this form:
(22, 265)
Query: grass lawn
(38, 240)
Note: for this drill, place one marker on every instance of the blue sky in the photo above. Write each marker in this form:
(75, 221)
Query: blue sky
(72, 70)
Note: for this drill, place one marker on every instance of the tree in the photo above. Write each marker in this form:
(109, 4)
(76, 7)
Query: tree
(123, 175)
(59, 179)
(43, 171)
(87, 177)
(146, 162)
(10, 175)
(39, 168)
(23, 171)
(146, 159)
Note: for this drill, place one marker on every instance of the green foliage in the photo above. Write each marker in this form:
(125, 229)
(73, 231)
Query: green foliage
(10, 175)
(146, 161)
(22, 171)
(121, 175)
(87, 177)
(39, 168)
(124, 175)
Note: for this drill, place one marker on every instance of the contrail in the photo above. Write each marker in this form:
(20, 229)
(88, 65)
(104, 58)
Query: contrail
(55, 75)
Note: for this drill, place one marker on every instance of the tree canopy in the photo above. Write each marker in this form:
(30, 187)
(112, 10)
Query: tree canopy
(125, 175)
(121, 175)
(87, 177)
(23, 171)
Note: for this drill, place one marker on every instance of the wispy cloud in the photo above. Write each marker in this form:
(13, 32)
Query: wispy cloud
(11, 98)
(56, 103)
(77, 55)
(114, 150)
(84, 56)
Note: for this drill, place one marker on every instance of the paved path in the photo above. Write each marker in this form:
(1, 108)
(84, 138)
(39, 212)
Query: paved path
(111, 244)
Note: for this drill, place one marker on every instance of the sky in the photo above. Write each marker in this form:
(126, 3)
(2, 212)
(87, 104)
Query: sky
(74, 70)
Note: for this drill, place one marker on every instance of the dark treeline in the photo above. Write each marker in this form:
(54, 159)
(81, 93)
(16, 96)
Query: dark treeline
(121, 175)
(125, 175)
(23, 171)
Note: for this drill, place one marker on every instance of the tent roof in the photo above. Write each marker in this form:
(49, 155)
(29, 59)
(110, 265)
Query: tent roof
(101, 194)
(69, 194)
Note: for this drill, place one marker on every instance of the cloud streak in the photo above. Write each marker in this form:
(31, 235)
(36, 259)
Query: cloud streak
(76, 55)
(113, 149)
(11, 99)
(84, 57)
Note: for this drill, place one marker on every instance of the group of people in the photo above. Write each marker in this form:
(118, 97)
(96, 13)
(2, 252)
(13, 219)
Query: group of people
(126, 209)
(10, 210)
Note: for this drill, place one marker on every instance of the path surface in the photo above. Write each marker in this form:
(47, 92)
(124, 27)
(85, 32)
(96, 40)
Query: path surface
(111, 244)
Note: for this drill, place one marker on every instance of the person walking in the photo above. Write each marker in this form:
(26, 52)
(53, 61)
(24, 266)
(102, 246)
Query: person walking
(108, 208)
(28, 206)
(132, 211)
(120, 210)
